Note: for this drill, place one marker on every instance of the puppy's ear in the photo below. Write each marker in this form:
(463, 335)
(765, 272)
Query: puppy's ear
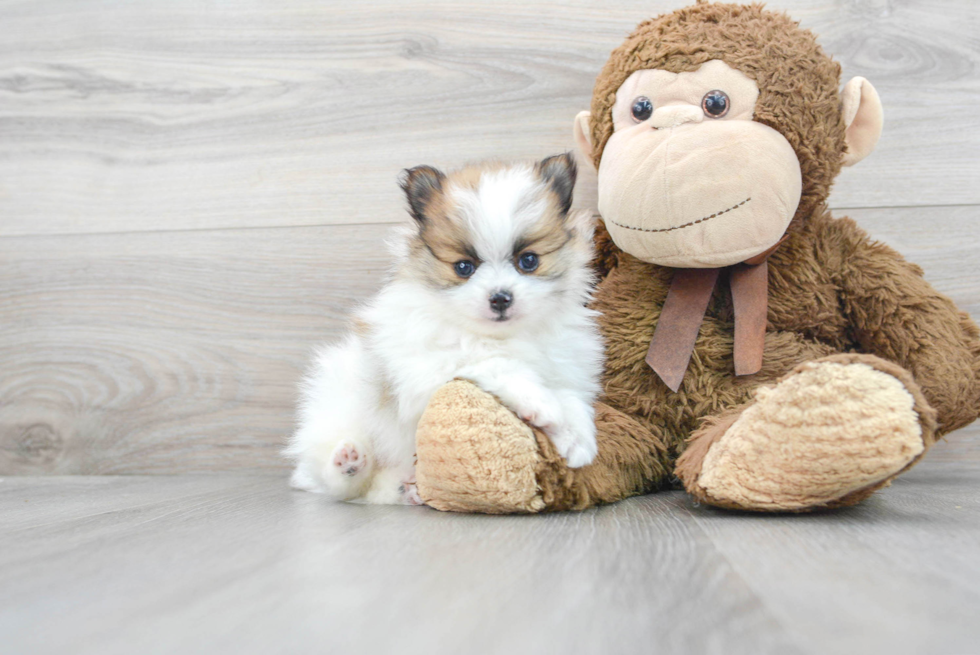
(421, 184)
(559, 173)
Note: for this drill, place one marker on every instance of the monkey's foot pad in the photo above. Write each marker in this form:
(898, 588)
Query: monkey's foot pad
(828, 434)
(475, 455)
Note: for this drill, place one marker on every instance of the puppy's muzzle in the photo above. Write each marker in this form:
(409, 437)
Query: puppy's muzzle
(500, 301)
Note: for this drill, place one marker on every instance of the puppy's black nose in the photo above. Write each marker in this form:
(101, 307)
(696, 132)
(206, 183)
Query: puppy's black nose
(500, 301)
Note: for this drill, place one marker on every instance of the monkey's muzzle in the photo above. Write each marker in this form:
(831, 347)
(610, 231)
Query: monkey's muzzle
(702, 195)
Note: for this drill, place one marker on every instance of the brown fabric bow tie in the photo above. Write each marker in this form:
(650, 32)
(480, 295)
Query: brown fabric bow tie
(683, 311)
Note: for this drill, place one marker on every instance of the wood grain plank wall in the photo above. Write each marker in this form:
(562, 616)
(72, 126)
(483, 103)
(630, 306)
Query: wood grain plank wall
(193, 195)
(120, 116)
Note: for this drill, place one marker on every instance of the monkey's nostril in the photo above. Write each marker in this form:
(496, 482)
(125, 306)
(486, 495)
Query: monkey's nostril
(501, 300)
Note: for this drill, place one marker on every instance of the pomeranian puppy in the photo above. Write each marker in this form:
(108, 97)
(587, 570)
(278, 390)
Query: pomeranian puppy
(490, 285)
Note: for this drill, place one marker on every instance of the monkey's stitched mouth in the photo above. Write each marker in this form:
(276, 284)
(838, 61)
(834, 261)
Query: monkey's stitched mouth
(681, 227)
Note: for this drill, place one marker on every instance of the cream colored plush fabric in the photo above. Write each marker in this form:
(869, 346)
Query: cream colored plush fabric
(831, 429)
(864, 118)
(475, 455)
(686, 190)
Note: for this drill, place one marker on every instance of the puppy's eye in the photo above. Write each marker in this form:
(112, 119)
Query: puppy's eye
(642, 109)
(528, 262)
(715, 103)
(464, 268)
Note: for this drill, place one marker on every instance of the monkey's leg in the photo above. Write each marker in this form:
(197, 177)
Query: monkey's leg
(828, 434)
(475, 455)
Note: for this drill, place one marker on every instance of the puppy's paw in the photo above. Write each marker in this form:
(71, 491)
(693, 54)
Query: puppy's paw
(539, 408)
(409, 492)
(578, 455)
(349, 459)
(542, 417)
(577, 445)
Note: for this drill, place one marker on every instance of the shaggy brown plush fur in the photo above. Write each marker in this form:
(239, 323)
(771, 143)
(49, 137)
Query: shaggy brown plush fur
(832, 289)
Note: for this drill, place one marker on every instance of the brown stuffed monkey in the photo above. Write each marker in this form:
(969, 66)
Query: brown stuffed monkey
(761, 353)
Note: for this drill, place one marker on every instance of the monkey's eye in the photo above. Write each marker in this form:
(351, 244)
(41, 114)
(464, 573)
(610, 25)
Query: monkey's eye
(528, 262)
(715, 103)
(464, 268)
(642, 109)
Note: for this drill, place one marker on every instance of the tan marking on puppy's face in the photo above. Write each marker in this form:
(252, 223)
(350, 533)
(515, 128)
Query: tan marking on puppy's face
(547, 239)
(436, 250)
(558, 238)
(443, 239)
(469, 177)
(492, 215)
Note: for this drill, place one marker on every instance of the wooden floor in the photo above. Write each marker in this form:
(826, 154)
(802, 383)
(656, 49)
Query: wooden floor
(241, 564)
(195, 194)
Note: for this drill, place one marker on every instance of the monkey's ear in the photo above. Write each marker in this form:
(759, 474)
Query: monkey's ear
(420, 184)
(863, 117)
(559, 172)
(582, 134)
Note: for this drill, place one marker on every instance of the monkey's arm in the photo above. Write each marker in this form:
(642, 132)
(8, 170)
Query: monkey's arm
(897, 315)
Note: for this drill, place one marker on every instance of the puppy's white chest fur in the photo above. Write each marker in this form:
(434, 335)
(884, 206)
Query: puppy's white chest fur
(416, 362)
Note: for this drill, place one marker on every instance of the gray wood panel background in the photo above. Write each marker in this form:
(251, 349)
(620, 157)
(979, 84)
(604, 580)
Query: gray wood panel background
(192, 195)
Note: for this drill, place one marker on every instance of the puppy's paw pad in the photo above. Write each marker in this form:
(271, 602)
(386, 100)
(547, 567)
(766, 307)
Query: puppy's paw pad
(409, 492)
(348, 458)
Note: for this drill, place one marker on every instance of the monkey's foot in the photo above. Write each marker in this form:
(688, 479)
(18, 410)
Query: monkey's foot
(475, 455)
(828, 434)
